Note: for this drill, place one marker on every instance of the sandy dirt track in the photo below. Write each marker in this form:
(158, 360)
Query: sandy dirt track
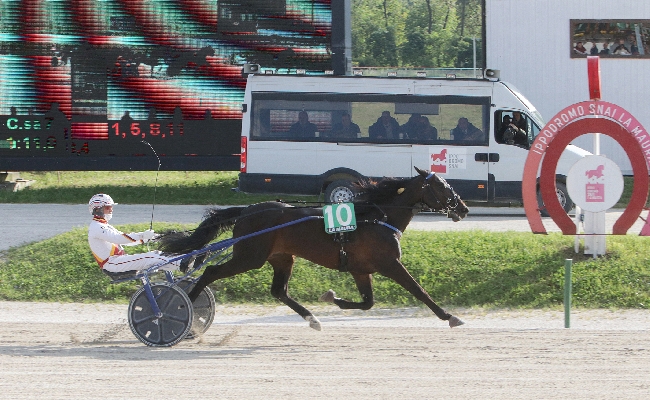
(82, 351)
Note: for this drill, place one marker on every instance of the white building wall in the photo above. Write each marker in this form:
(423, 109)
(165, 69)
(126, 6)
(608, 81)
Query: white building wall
(529, 42)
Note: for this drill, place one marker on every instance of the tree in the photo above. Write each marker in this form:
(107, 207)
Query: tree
(382, 49)
(469, 28)
(377, 31)
(414, 52)
(470, 17)
(416, 33)
(430, 11)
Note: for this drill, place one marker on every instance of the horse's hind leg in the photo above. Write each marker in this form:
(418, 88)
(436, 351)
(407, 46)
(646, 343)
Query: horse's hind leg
(243, 259)
(282, 268)
(397, 272)
(364, 284)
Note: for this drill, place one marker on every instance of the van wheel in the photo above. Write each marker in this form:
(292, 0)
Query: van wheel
(340, 191)
(562, 196)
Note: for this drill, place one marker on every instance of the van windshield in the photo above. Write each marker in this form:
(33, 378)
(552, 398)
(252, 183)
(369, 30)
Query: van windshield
(370, 118)
(532, 111)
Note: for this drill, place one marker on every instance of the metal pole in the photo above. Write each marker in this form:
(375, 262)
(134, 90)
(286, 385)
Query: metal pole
(474, 49)
(578, 220)
(153, 207)
(567, 292)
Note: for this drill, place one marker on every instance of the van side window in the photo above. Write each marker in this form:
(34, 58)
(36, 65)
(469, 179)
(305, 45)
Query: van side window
(513, 127)
(370, 118)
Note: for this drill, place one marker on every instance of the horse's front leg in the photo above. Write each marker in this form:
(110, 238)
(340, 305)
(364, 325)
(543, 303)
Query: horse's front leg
(364, 284)
(396, 271)
(282, 268)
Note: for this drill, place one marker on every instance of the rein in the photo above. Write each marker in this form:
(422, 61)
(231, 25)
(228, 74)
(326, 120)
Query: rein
(446, 207)
(389, 226)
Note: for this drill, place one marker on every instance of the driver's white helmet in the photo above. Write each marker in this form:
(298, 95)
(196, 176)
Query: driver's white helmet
(99, 201)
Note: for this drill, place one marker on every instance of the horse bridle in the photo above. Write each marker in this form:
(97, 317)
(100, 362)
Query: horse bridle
(446, 206)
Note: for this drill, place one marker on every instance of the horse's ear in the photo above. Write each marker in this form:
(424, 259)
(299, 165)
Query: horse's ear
(400, 190)
(423, 173)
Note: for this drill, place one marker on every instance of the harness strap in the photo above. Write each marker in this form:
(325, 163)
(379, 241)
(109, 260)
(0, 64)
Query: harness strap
(343, 260)
(342, 238)
(384, 216)
(343, 255)
(230, 242)
(389, 226)
(224, 244)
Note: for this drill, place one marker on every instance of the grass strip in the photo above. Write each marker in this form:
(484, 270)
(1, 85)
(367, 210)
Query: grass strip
(129, 187)
(174, 187)
(465, 269)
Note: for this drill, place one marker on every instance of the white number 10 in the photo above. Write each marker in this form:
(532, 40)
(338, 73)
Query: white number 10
(339, 217)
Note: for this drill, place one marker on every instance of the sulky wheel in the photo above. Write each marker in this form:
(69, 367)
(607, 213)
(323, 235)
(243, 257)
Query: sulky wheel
(203, 308)
(176, 320)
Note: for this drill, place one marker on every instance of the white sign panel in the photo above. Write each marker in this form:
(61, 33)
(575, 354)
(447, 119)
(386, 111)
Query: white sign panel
(445, 159)
(595, 183)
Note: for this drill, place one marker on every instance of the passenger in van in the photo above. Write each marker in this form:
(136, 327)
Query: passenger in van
(621, 49)
(514, 131)
(519, 122)
(580, 48)
(634, 48)
(346, 128)
(409, 129)
(605, 49)
(424, 130)
(303, 128)
(386, 127)
(521, 126)
(502, 136)
(466, 132)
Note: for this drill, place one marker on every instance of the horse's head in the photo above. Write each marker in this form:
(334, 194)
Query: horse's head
(438, 195)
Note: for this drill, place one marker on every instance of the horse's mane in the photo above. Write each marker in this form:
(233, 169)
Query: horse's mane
(378, 192)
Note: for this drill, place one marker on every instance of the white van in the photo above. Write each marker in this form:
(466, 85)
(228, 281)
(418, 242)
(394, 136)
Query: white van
(317, 134)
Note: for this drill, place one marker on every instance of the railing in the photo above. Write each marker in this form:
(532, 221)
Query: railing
(419, 72)
(410, 72)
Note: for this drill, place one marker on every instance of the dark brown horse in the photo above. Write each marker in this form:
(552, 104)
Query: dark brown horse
(383, 211)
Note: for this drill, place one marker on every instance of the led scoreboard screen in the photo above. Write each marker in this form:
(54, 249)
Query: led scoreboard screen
(84, 82)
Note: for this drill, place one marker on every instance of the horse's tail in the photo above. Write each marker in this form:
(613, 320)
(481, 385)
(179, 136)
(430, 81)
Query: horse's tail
(215, 221)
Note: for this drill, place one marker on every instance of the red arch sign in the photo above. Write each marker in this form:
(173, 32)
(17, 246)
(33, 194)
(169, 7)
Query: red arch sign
(576, 120)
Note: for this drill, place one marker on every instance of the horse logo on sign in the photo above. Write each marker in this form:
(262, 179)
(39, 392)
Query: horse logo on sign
(595, 186)
(595, 183)
(439, 162)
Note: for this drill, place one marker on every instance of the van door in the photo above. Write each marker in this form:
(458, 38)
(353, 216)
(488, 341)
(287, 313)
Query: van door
(514, 131)
(465, 167)
(369, 159)
(461, 153)
(316, 158)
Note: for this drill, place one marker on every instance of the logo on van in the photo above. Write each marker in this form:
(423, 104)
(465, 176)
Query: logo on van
(444, 160)
(439, 162)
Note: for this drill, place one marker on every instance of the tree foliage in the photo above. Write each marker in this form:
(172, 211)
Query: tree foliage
(415, 33)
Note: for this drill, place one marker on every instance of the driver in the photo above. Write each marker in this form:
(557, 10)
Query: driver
(520, 127)
(106, 242)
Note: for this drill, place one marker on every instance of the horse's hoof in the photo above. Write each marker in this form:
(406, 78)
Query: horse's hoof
(314, 323)
(328, 296)
(455, 321)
